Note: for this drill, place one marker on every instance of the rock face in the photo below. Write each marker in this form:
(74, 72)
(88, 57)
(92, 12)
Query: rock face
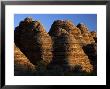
(94, 35)
(22, 65)
(33, 41)
(60, 26)
(85, 33)
(90, 47)
(66, 49)
(91, 51)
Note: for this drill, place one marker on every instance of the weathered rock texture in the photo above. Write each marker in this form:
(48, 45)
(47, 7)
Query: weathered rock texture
(22, 65)
(66, 49)
(60, 26)
(67, 41)
(33, 41)
(87, 36)
(94, 35)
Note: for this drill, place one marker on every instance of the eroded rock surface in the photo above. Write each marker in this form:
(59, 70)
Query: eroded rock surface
(66, 49)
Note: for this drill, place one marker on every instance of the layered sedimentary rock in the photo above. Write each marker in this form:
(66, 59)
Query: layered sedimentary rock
(91, 51)
(90, 47)
(85, 33)
(66, 48)
(22, 65)
(33, 41)
(61, 25)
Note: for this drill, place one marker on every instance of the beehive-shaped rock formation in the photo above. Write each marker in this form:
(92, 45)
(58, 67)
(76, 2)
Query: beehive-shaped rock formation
(85, 33)
(33, 41)
(67, 49)
(90, 47)
(59, 25)
(75, 55)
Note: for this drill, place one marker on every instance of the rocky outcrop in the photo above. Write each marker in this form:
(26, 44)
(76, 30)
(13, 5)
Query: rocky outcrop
(22, 65)
(33, 41)
(60, 26)
(91, 52)
(66, 49)
(94, 35)
(85, 33)
(90, 47)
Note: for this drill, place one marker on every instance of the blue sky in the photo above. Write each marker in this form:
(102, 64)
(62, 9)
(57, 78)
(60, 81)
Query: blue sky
(47, 19)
